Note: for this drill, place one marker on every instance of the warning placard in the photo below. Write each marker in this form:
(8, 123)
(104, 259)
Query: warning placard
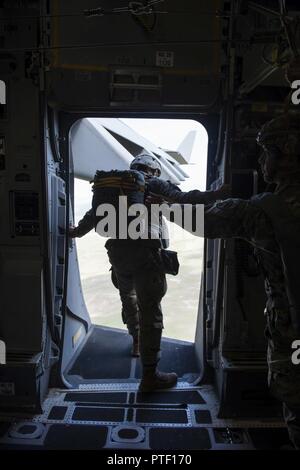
(164, 59)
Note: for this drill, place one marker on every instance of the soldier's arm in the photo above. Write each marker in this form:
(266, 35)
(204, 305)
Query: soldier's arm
(204, 197)
(171, 193)
(84, 225)
(236, 218)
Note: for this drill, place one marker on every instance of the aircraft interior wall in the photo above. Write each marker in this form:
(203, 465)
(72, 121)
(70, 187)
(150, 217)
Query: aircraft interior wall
(22, 244)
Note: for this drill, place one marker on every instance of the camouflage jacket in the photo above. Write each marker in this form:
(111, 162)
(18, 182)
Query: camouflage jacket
(245, 219)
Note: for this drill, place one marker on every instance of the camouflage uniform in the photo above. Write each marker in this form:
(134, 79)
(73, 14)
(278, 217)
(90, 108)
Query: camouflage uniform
(142, 284)
(139, 276)
(138, 273)
(130, 310)
(123, 279)
(245, 219)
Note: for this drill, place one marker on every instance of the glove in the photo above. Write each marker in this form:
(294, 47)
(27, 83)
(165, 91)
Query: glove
(224, 192)
(73, 232)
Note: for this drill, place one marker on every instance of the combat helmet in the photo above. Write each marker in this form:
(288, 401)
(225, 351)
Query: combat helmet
(145, 159)
(281, 135)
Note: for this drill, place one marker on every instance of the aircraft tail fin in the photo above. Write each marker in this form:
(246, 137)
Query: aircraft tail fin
(187, 145)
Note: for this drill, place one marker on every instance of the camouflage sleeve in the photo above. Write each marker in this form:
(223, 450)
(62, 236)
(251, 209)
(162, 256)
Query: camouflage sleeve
(237, 218)
(173, 193)
(85, 224)
(197, 197)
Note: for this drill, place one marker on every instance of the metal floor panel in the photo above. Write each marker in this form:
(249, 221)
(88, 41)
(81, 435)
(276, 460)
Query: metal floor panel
(132, 424)
(57, 399)
(117, 397)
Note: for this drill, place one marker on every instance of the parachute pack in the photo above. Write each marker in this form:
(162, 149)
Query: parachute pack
(109, 186)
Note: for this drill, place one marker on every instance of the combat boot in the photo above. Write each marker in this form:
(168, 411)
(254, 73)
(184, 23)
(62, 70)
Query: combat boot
(135, 351)
(153, 379)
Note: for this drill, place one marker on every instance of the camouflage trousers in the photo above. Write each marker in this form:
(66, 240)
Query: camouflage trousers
(130, 310)
(283, 375)
(142, 284)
